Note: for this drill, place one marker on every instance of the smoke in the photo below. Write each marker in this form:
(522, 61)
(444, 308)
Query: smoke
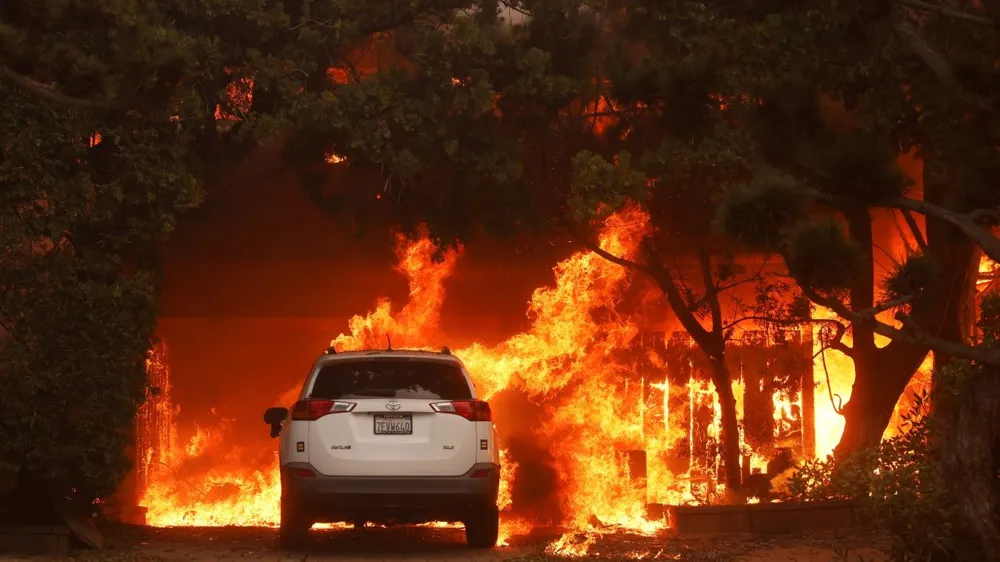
(535, 497)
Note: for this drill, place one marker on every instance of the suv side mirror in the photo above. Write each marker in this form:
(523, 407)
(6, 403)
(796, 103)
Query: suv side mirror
(275, 417)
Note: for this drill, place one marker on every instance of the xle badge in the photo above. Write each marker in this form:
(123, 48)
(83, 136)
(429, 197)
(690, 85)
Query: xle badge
(300, 447)
(484, 444)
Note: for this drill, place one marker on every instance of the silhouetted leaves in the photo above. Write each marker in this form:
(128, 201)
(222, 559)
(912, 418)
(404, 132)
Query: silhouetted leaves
(857, 170)
(763, 213)
(787, 114)
(911, 276)
(595, 180)
(821, 256)
(84, 198)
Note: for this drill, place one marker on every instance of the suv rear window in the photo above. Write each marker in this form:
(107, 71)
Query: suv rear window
(391, 378)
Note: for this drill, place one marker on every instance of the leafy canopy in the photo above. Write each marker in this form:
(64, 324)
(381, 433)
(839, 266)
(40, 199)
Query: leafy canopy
(116, 115)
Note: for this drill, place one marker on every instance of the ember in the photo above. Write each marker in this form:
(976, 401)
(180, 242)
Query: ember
(611, 416)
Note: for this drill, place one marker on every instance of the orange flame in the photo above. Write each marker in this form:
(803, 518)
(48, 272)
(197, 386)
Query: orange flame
(594, 413)
(989, 272)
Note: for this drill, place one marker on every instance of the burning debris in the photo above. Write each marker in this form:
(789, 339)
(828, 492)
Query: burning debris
(600, 418)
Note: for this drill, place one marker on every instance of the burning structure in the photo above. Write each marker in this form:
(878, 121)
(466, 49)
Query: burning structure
(155, 431)
(600, 415)
(775, 400)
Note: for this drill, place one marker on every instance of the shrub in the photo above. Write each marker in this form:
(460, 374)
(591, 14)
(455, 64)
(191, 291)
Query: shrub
(936, 487)
(900, 488)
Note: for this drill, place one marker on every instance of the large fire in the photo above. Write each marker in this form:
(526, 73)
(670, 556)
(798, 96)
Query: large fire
(621, 427)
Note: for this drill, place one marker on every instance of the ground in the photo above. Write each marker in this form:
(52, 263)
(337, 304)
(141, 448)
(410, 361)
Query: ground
(134, 544)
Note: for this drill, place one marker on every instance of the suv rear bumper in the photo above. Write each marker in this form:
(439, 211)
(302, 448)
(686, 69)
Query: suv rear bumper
(405, 499)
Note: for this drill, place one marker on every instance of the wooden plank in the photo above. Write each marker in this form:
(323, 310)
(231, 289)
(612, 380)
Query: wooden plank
(81, 527)
(764, 519)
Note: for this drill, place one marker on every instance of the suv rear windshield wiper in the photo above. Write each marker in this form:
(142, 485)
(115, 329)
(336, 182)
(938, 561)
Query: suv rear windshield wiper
(379, 392)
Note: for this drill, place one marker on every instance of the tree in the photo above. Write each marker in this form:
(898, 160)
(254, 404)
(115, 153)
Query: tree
(933, 488)
(78, 220)
(107, 110)
(914, 80)
(969, 437)
(900, 99)
(116, 116)
(96, 167)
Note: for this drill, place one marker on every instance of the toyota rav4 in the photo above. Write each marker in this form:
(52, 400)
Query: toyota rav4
(387, 437)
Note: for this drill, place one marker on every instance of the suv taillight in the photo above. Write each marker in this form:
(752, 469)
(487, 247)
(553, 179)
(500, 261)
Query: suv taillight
(312, 409)
(472, 410)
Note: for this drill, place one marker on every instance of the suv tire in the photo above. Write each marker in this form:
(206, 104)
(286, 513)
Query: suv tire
(482, 529)
(293, 529)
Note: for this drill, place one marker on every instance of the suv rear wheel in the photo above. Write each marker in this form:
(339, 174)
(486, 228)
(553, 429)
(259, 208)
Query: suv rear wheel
(293, 529)
(482, 529)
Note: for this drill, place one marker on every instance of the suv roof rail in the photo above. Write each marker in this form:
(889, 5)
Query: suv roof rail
(333, 350)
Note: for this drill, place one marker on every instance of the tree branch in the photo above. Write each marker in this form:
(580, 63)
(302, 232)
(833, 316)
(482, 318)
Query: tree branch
(964, 222)
(355, 74)
(887, 305)
(990, 217)
(935, 60)
(514, 7)
(52, 94)
(711, 291)
(723, 287)
(597, 249)
(712, 344)
(836, 343)
(946, 11)
(911, 223)
(911, 333)
(392, 23)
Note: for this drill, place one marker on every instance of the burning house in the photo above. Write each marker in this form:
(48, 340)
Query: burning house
(616, 413)
(775, 402)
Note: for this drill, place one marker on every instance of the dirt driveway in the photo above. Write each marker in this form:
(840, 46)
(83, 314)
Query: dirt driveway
(408, 544)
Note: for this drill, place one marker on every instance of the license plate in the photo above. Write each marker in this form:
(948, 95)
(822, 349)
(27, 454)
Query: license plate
(393, 425)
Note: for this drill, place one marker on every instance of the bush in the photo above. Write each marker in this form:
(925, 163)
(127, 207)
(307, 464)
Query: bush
(73, 367)
(936, 487)
(80, 220)
(900, 488)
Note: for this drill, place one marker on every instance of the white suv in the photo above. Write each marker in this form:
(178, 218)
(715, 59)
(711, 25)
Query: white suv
(387, 437)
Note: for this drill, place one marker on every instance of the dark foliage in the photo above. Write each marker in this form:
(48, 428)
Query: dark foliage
(922, 486)
(763, 213)
(821, 256)
(910, 277)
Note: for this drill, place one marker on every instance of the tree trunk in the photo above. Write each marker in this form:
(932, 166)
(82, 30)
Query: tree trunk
(952, 296)
(954, 292)
(730, 424)
(969, 463)
(881, 376)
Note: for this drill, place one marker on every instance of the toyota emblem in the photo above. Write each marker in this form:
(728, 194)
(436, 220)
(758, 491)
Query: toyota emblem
(392, 405)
